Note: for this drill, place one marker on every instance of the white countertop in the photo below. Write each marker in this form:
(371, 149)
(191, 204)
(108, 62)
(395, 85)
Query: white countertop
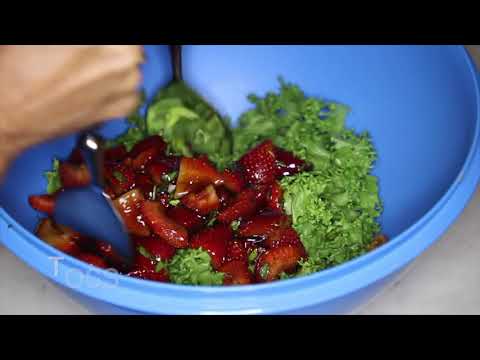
(443, 280)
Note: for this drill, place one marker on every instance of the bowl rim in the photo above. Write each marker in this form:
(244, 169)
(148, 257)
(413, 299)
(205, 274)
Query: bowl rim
(274, 297)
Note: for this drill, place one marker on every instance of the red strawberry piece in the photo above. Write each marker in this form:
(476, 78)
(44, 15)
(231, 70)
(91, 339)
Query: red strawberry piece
(109, 254)
(76, 157)
(185, 217)
(275, 198)
(172, 162)
(42, 203)
(120, 178)
(259, 164)
(204, 202)
(236, 250)
(161, 276)
(57, 237)
(158, 249)
(277, 260)
(236, 273)
(288, 164)
(284, 236)
(214, 241)
(128, 205)
(224, 197)
(377, 241)
(170, 231)
(157, 170)
(114, 154)
(140, 161)
(93, 260)
(163, 199)
(155, 142)
(233, 180)
(194, 175)
(145, 185)
(263, 225)
(74, 175)
(244, 205)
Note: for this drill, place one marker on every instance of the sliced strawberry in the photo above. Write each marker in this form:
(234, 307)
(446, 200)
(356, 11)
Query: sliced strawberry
(174, 234)
(260, 164)
(263, 225)
(158, 249)
(76, 157)
(155, 142)
(114, 154)
(163, 199)
(42, 203)
(56, 237)
(112, 258)
(224, 197)
(194, 175)
(204, 202)
(275, 198)
(233, 180)
(185, 217)
(277, 260)
(244, 205)
(161, 276)
(74, 175)
(93, 260)
(157, 170)
(236, 250)
(236, 273)
(172, 162)
(283, 236)
(377, 241)
(214, 241)
(288, 164)
(140, 161)
(128, 205)
(145, 185)
(120, 178)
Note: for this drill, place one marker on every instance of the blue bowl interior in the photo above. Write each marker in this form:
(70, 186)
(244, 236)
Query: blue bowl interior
(418, 103)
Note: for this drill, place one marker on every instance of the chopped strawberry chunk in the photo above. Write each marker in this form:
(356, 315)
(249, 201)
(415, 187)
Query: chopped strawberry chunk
(277, 260)
(140, 161)
(283, 236)
(245, 205)
(288, 164)
(161, 276)
(120, 178)
(236, 250)
(114, 154)
(260, 164)
(157, 170)
(233, 180)
(263, 225)
(236, 273)
(185, 217)
(224, 197)
(93, 260)
(155, 142)
(74, 175)
(157, 249)
(204, 202)
(42, 203)
(145, 185)
(57, 237)
(214, 241)
(170, 231)
(128, 206)
(275, 198)
(194, 175)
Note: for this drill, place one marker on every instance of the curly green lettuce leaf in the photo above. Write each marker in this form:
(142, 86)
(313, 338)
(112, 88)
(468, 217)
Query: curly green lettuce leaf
(193, 267)
(54, 182)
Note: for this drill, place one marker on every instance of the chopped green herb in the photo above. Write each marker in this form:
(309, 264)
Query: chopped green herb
(53, 178)
(235, 225)
(174, 202)
(252, 260)
(170, 177)
(264, 270)
(119, 176)
(161, 266)
(144, 252)
(212, 219)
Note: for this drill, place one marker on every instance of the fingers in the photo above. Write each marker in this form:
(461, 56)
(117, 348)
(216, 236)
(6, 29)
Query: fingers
(118, 108)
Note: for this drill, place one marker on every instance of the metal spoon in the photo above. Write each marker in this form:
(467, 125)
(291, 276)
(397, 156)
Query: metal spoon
(89, 210)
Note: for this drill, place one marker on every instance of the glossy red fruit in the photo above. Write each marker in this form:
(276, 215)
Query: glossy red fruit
(224, 196)
(61, 238)
(233, 180)
(275, 198)
(156, 142)
(167, 229)
(129, 205)
(244, 205)
(140, 161)
(203, 202)
(185, 217)
(161, 276)
(259, 164)
(236, 273)
(236, 250)
(214, 241)
(145, 185)
(158, 248)
(93, 260)
(42, 203)
(157, 170)
(74, 175)
(195, 175)
(263, 225)
(111, 257)
(288, 164)
(277, 260)
(114, 154)
(283, 236)
(120, 178)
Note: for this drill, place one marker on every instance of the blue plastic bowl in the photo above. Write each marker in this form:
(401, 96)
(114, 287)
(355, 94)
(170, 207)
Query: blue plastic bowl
(420, 104)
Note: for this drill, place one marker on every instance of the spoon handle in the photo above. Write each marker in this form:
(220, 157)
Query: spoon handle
(92, 147)
(176, 55)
